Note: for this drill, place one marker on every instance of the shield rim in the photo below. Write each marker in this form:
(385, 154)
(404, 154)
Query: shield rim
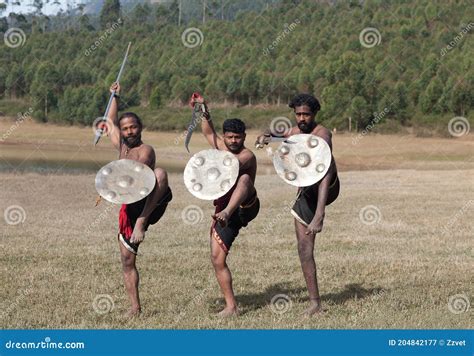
(147, 172)
(298, 139)
(207, 152)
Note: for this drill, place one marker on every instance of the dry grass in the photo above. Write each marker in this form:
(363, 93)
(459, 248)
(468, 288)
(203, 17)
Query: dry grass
(397, 273)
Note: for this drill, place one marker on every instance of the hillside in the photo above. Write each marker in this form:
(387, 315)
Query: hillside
(396, 62)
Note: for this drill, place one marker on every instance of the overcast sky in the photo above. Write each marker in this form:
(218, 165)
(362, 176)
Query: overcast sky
(48, 9)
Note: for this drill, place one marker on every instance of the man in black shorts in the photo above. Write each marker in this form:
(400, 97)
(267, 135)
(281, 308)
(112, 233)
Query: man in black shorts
(235, 209)
(310, 204)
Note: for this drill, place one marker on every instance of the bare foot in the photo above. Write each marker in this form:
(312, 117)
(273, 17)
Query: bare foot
(138, 234)
(221, 217)
(228, 312)
(314, 308)
(133, 313)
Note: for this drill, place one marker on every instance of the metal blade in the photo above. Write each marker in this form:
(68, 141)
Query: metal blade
(275, 139)
(99, 132)
(98, 135)
(192, 125)
(281, 139)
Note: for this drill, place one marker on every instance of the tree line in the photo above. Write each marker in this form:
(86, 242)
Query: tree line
(404, 59)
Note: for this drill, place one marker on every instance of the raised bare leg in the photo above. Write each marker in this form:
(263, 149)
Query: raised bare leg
(158, 192)
(243, 190)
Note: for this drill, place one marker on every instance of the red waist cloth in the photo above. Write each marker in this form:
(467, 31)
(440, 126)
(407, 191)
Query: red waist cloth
(125, 225)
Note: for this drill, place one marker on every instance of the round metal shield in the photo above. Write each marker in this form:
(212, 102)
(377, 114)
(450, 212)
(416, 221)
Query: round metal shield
(304, 162)
(210, 174)
(124, 181)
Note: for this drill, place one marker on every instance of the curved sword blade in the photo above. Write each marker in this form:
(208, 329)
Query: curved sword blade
(192, 125)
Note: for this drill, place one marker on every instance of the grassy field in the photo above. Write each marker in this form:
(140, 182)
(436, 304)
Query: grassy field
(395, 252)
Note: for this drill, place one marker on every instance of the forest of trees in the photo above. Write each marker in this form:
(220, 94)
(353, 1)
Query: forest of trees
(421, 66)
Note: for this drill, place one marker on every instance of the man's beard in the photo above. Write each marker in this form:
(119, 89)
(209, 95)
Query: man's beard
(234, 148)
(306, 128)
(132, 141)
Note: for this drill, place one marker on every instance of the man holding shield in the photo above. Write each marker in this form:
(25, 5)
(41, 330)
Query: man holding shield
(125, 134)
(237, 207)
(309, 208)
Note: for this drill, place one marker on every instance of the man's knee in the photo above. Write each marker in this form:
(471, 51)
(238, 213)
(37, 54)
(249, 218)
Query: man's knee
(128, 262)
(161, 176)
(218, 260)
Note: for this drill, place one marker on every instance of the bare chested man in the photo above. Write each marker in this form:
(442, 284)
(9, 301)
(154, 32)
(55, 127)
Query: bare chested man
(309, 208)
(135, 218)
(236, 208)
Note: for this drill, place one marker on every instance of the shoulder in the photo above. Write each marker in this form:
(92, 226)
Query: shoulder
(246, 156)
(146, 155)
(322, 131)
(147, 150)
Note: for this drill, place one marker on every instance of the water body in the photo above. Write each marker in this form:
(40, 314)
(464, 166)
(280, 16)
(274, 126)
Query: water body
(48, 166)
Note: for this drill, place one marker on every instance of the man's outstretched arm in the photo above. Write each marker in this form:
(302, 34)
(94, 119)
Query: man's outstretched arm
(112, 117)
(207, 126)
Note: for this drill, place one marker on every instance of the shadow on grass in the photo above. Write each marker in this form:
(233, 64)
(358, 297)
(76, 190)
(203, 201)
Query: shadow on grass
(254, 301)
(351, 291)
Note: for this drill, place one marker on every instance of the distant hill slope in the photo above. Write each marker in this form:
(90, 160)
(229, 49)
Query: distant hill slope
(373, 60)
